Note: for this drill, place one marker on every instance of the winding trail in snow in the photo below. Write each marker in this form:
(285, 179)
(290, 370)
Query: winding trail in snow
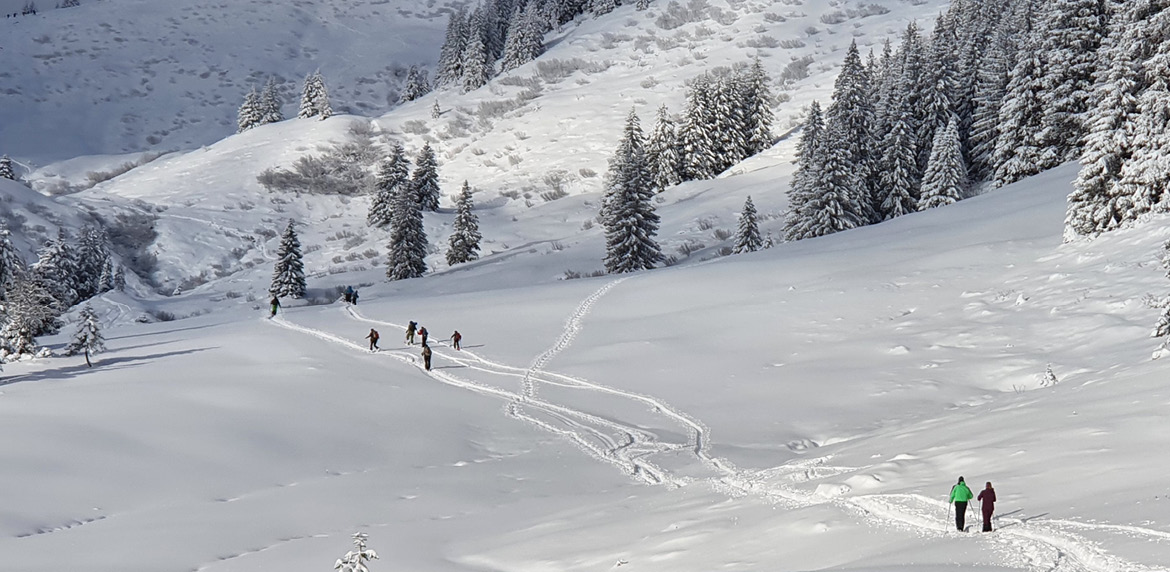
(1040, 545)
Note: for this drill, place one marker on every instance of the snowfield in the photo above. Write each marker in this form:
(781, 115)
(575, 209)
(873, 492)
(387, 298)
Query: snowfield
(805, 407)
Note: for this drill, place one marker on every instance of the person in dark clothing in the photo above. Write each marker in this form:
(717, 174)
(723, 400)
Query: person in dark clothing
(355, 297)
(987, 496)
(422, 332)
(455, 339)
(275, 305)
(373, 337)
(960, 494)
(349, 294)
(410, 328)
(426, 354)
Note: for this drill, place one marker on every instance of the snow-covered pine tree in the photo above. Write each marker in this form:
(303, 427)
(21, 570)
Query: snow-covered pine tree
(6, 171)
(93, 252)
(408, 237)
(464, 242)
(833, 203)
(1099, 203)
(945, 179)
(897, 194)
(288, 275)
(697, 142)
(392, 175)
(728, 126)
(1072, 34)
(628, 208)
(315, 98)
(747, 235)
(250, 114)
(1146, 173)
(450, 66)
(525, 40)
(56, 268)
(1017, 151)
(271, 105)
(477, 68)
(990, 91)
(602, 7)
(11, 263)
(356, 560)
(106, 280)
(436, 111)
(424, 181)
(884, 74)
(942, 75)
(848, 122)
(416, 85)
(662, 152)
(31, 310)
(808, 165)
(88, 337)
(757, 98)
(120, 279)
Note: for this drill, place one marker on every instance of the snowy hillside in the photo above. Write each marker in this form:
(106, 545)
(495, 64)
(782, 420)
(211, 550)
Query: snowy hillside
(170, 75)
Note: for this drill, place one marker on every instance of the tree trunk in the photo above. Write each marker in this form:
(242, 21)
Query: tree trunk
(87, 364)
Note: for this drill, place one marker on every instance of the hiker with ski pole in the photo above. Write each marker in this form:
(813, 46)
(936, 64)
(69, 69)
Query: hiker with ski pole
(960, 495)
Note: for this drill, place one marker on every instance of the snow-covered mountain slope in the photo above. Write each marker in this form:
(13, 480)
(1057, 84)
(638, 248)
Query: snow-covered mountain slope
(114, 76)
(804, 407)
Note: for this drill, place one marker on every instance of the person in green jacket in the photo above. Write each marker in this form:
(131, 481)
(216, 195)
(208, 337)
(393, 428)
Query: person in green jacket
(960, 494)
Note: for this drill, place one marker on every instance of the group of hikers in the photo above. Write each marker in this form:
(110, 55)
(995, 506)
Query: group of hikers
(350, 295)
(961, 495)
(413, 329)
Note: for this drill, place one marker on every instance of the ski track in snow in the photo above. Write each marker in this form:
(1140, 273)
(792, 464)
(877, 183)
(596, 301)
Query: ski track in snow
(1035, 544)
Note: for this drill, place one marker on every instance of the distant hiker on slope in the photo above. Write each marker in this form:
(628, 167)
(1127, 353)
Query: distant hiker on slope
(373, 337)
(422, 332)
(960, 494)
(455, 339)
(410, 333)
(349, 294)
(987, 495)
(426, 354)
(275, 305)
(354, 300)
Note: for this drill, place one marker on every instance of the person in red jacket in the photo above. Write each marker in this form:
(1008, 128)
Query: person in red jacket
(987, 497)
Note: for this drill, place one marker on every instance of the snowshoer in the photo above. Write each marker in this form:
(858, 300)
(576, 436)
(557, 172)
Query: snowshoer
(373, 337)
(455, 339)
(960, 494)
(275, 305)
(422, 332)
(354, 298)
(987, 496)
(410, 328)
(426, 354)
(349, 294)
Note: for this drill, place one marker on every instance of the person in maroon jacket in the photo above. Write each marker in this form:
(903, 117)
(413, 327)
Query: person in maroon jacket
(987, 497)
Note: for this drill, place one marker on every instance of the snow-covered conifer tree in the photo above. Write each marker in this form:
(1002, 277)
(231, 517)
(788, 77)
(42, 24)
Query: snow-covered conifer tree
(416, 85)
(602, 7)
(525, 40)
(1072, 34)
(464, 242)
(945, 179)
(1146, 173)
(392, 175)
(833, 203)
(315, 98)
(106, 280)
(477, 68)
(747, 236)
(848, 120)
(250, 114)
(271, 105)
(628, 208)
(425, 179)
(697, 142)
(990, 91)
(897, 193)
(757, 98)
(120, 279)
(31, 310)
(356, 560)
(662, 152)
(808, 165)
(6, 171)
(1017, 150)
(93, 252)
(56, 268)
(408, 238)
(288, 276)
(450, 67)
(88, 337)
(11, 263)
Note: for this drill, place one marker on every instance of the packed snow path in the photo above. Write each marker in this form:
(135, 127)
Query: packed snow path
(1037, 544)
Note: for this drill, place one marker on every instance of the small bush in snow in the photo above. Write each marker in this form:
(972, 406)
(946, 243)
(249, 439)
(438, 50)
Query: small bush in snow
(792, 43)
(833, 18)
(721, 234)
(796, 70)
(773, 17)
(161, 315)
(763, 42)
(555, 70)
(867, 10)
(415, 127)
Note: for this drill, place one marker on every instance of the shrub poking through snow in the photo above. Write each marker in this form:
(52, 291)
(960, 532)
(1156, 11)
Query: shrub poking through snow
(356, 560)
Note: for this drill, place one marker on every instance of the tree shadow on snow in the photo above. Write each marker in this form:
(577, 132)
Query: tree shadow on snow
(99, 364)
(188, 328)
